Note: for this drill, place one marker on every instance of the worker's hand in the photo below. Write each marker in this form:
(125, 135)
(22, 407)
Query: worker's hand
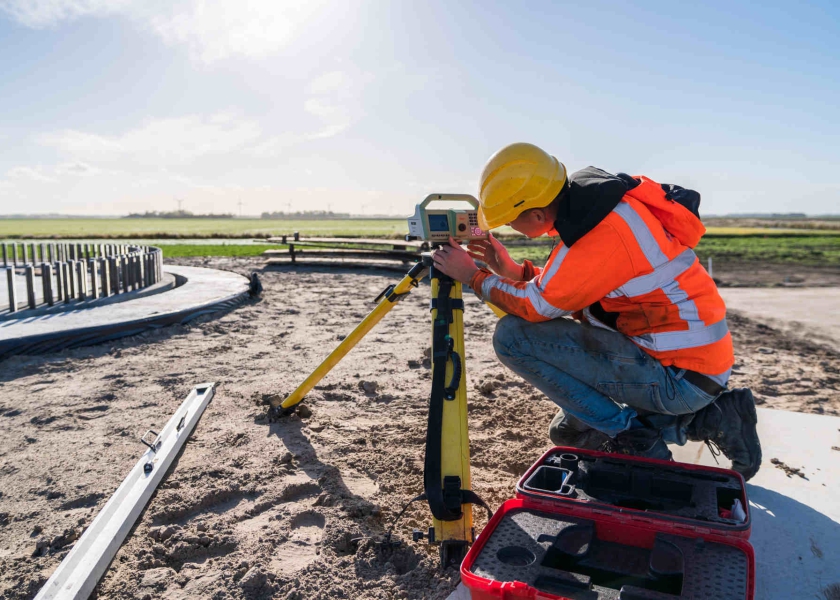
(455, 262)
(496, 256)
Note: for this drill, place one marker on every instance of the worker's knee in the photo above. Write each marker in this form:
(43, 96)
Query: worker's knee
(508, 333)
(514, 334)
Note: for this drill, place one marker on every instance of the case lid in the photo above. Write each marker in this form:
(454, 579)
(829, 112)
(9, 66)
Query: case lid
(689, 496)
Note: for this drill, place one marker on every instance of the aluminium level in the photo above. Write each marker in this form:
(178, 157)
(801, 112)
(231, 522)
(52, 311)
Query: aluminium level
(81, 569)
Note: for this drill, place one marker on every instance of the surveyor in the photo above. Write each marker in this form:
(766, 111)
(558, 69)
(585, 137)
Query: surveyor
(622, 328)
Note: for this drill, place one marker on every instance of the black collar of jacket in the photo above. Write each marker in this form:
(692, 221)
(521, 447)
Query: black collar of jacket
(591, 195)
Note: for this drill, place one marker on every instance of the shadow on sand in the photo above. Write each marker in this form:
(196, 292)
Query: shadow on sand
(373, 559)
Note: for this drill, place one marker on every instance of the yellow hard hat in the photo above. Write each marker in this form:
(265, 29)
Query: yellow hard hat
(518, 177)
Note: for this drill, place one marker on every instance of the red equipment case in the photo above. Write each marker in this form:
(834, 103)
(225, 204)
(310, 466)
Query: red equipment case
(587, 525)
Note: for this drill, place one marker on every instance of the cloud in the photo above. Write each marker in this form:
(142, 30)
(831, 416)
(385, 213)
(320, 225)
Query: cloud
(211, 30)
(330, 82)
(217, 30)
(334, 100)
(29, 173)
(77, 169)
(160, 142)
(38, 14)
(166, 144)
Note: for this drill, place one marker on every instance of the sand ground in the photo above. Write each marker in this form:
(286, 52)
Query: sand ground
(260, 508)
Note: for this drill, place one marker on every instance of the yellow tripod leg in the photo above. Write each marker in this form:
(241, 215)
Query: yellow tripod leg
(389, 298)
(456, 535)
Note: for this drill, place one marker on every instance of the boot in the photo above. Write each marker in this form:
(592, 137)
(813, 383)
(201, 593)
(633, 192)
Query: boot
(643, 441)
(730, 424)
(566, 430)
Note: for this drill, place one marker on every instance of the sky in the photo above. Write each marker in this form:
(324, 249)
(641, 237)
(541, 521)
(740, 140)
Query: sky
(118, 106)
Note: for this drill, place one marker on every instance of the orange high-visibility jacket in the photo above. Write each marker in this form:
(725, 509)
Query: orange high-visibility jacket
(636, 266)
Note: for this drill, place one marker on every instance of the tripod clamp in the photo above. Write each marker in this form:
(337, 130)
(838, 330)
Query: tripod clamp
(388, 292)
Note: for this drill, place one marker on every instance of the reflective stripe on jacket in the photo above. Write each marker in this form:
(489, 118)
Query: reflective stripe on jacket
(646, 278)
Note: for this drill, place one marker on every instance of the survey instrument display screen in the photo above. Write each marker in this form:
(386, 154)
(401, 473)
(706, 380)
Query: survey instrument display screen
(438, 223)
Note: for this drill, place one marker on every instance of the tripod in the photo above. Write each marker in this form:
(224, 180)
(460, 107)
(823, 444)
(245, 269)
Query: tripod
(446, 469)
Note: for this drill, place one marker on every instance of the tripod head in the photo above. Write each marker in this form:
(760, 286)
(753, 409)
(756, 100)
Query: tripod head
(437, 225)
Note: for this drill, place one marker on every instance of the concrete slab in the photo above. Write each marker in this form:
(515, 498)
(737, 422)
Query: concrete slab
(812, 313)
(795, 520)
(205, 290)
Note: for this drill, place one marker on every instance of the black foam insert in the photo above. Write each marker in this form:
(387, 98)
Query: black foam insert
(668, 490)
(563, 555)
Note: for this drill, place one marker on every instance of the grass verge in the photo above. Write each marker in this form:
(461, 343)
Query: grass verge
(178, 250)
(806, 250)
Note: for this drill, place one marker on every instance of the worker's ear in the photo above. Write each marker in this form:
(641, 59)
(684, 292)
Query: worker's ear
(538, 214)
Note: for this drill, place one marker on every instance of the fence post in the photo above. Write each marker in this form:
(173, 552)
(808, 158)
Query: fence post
(121, 280)
(104, 277)
(47, 281)
(81, 276)
(115, 275)
(141, 272)
(14, 254)
(94, 281)
(74, 280)
(69, 281)
(10, 280)
(30, 286)
(132, 267)
(5, 256)
(59, 283)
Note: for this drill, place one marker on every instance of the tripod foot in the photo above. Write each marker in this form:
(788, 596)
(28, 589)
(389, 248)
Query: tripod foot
(452, 553)
(278, 413)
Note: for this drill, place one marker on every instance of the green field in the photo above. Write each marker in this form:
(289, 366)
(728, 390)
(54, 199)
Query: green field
(721, 243)
(195, 228)
(176, 250)
(246, 228)
(810, 250)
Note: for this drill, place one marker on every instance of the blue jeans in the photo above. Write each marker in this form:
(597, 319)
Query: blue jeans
(598, 376)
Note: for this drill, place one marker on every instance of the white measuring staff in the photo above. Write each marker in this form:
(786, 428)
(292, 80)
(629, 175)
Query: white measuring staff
(81, 569)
